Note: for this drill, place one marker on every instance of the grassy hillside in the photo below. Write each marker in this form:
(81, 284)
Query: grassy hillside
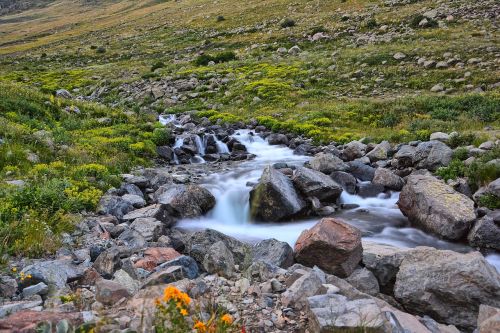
(334, 70)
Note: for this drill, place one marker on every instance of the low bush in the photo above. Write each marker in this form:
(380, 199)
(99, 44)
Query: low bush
(205, 59)
(287, 23)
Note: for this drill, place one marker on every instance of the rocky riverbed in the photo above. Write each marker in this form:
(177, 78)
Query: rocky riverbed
(285, 235)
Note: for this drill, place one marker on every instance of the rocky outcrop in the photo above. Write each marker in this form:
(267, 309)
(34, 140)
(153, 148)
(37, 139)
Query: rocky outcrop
(316, 184)
(332, 245)
(447, 285)
(274, 198)
(185, 201)
(436, 207)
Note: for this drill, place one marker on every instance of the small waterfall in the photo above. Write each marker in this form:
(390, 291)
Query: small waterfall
(167, 119)
(179, 141)
(221, 146)
(200, 145)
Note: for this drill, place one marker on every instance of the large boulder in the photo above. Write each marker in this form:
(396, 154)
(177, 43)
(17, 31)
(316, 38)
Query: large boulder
(327, 163)
(388, 179)
(219, 260)
(486, 231)
(316, 184)
(277, 139)
(436, 207)
(110, 292)
(156, 211)
(405, 156)
(185, 201)
(114, 205)
(353, 150)
(274, 197)
(449, 286)
(361, 171)
(346, 180)
(380, 152)
(54, 273)
(308, 284)
(432, 154)
(332, 245)
(274, 252)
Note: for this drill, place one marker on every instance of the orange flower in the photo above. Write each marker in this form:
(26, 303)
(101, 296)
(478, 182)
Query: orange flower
(200, 326)
(172, 293)
(157, 301)
(184, 312)
(227, 319)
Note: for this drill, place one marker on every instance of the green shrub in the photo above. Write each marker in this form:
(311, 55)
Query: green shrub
(461, 154)
(414, 21)
(161, 136)
(220, 18)
(461, 139)
(205, 59)
(490, 201)
(206, 114)
(287, 23)
(101, 49)
(371, 23)
(454, 170)
(321, 122)
(157, 65)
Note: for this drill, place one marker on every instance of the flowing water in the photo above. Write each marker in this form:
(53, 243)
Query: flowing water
(378, 218)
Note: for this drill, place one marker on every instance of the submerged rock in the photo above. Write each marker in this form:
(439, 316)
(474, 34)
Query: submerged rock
(332, 245)
(274, 198)
(436, 207)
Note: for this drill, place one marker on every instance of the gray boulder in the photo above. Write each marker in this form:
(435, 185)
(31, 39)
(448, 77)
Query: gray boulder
(332, 313)
(432, 154)
(486, 232)
(185, 201)
(277, 139)
(219, 260)
(150, 228)
(346, 180)
(316, 184)
(309, 284)
(439, 136)
(388, 179)
(405, 156)
(114, 205)
(364, 280)
(274, 198)
(274, 252)
(380, 152)
(156, 211)
(494, 187)
(54, 273)
(110, 292)
(190, 266)
(107, 263)
(449, 285)
(327, 163)
(361, 171)
(353, 150)
(199, 243)
(436, 207)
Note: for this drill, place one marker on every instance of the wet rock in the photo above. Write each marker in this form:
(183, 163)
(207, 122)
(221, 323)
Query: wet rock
(380, 152)
(332, 245)
(108, 262)
(431, 155)
(486, 232)
(388, 179)
(346, 180)
(150, 228)
(165, 152)
(114, 205)
(361, 171)
(156, 211)
(219, 260)
(316, 184)
(277, 139)
(447, 284)
(109, 292)
(327, 163)
(369, 189)
(436, 207)
(199, 243)
(274, 252)
(353, 150)
(274, 198)
(364, 280)
(333, 312)
(185, 201)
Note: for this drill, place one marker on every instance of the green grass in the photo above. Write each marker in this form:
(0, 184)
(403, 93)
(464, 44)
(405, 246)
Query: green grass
(79, 157)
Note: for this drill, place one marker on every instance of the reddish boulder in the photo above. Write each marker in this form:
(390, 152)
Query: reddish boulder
(27, 321)
(332, 245)
(155, 256)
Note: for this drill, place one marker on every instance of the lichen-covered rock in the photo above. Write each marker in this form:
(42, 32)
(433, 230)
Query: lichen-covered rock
(185, 201)
(436, 207)
(327, 163)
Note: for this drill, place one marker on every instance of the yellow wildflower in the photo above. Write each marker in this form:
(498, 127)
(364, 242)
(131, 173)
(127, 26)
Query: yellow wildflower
(184, 312)
(14, 269)
(227, 319)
